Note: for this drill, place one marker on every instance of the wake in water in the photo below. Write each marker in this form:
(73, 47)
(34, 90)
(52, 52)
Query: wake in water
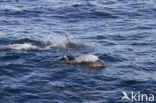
(28, 44)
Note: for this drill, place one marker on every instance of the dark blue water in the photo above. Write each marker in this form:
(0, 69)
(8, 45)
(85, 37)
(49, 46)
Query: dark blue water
(120, 32)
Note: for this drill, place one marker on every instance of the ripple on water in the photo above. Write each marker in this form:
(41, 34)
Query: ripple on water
(112, 58)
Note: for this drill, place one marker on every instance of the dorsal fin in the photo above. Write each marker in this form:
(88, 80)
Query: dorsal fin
(68, 38)
(69, 57)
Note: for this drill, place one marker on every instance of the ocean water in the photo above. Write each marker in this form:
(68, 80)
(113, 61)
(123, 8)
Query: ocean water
(122, 33)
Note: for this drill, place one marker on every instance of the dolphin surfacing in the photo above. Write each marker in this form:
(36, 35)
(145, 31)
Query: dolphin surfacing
(91, 61)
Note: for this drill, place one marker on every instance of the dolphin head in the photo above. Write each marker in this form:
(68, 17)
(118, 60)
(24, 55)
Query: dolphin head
(97, 64)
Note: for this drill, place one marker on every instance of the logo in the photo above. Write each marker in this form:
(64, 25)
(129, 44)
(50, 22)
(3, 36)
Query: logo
(139, 97)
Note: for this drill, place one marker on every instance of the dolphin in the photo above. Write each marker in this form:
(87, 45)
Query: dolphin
(91, 61)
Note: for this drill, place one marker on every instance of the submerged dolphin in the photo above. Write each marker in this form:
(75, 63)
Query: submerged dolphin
(86, 60)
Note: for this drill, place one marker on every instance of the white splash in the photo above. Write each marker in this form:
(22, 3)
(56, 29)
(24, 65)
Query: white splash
(86, 58)
(25, 46)
(58, 41)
